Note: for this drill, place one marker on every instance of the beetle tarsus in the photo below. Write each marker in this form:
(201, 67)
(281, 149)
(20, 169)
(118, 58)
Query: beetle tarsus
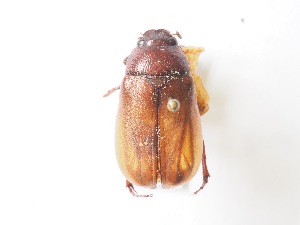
(204, 171)
(111, 91)
(205, 181)
(133, 191)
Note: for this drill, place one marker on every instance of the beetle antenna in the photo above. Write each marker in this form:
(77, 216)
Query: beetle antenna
(178, 34)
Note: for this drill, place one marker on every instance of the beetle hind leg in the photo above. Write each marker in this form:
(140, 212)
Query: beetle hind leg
(204, 171)
(133, 191)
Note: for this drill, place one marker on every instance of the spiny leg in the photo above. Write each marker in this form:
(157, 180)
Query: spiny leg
(133, 191)
(111, 91)
(204, 171)
(118, 87)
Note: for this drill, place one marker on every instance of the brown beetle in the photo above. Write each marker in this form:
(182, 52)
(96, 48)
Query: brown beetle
(158, 128)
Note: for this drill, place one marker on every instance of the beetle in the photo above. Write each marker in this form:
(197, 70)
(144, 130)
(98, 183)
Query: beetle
(158, 126)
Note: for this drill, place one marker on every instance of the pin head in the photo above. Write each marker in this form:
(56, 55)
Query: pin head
(173, 105)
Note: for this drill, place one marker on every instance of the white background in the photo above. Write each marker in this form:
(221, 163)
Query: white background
(57, 160)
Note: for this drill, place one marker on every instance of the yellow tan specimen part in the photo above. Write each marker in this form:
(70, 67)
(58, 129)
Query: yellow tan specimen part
(192, 54)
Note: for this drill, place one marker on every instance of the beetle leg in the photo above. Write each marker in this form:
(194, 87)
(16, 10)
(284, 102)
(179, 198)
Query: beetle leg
(133, 191)
(204, 171)
(111, 91)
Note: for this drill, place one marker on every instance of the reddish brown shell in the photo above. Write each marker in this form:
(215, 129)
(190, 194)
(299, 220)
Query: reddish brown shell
(153, 144)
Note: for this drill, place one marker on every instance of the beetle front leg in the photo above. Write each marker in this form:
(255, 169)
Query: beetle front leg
(133, 191)
(111, 91)
(204, 171)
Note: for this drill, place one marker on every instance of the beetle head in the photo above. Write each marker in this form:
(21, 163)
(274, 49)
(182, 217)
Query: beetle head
(157, 53)
(157, 38)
